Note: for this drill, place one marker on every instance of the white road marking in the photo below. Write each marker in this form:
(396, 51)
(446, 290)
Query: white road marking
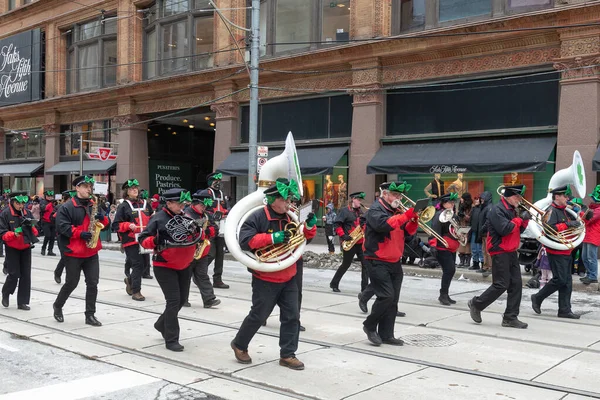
(86, 387)
(8, 348)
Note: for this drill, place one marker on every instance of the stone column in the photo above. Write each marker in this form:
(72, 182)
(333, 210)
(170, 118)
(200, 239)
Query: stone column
(370, 18)
(129, 43)
(235, 12)
(132, 159)
(51, 154)
(579, 108)
(226, 135)
(2, 142)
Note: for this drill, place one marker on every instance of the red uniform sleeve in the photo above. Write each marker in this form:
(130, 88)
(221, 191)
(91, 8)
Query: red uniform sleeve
(9, 236)
(517, 221)
(397, 220)
(76, 232)
(310, 233)
(212, 232)
(35, 231)
(260, 240)
(340, 231)
(411, 227)
(148, 243)
(105, 221)
(433, 242)
(124, 227)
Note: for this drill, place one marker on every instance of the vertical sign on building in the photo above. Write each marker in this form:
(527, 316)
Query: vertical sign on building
(262, 153)
(20, 75)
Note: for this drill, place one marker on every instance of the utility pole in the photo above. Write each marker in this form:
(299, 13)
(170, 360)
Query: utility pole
(253, 128)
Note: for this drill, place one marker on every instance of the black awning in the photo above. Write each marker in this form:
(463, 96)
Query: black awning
(26, 169)
(596, 161)
(482, 155)
(313, 161)
(89, 167)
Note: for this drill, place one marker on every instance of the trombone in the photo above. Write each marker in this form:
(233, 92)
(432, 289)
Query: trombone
(425, 216)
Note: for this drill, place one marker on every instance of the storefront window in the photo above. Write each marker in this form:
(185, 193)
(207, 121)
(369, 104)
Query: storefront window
(92, 55)
(99, 131)
(451, 10)
(336, 20)
(24, 145)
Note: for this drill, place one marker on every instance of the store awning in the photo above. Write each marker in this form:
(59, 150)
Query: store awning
(89, 167)
(488, 155)
(28, 169)
(596, 161)
(313, 161)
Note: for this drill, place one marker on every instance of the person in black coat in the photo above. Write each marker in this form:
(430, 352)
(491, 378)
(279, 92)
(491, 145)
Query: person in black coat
(46, 211)
(476, 248)
(485, 201)
(66, 195)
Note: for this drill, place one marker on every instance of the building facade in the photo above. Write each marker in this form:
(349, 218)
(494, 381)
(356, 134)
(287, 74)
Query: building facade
(498, 91)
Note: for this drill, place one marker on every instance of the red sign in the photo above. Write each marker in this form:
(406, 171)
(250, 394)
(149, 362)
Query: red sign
(102, 154)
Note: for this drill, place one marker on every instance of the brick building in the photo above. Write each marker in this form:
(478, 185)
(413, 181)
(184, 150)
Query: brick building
(165, 80)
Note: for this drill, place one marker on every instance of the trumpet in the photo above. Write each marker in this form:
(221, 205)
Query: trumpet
(424, 216)
(277, 252)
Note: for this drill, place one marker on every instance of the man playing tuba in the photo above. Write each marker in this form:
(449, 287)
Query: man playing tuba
(267, 226)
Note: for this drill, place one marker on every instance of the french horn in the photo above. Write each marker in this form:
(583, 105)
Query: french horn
(283, 166)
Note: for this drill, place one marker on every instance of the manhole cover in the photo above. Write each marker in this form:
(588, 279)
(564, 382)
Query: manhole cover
(428, 340)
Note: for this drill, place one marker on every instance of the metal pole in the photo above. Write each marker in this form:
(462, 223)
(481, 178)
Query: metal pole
(253, 129)
(80, 156)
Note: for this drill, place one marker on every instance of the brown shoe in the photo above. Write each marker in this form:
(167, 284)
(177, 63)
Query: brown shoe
(291, 363)
(128, 286)
(138, 296)
(241, 355)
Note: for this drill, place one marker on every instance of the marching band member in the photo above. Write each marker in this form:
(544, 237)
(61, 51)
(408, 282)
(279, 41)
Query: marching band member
(132, 214)
(217, 244)
(167, 233)
(66, 195)
(48, 226)
(18, 234)
(561, 261)
(385, 228)
(505, 226)
(199, 268)
(264, 227)
(446, 256)
(145, 196)
(73, 224)
(347, 220)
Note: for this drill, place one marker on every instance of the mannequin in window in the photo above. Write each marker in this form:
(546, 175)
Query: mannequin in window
(329, 190)
(514, 178)
(435, 189)
(457, 186)
(342, 192)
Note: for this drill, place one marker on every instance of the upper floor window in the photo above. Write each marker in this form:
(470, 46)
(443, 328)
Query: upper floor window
(179, 37)
(12, 4)
(22, 145)
(97, 131)
(451, 10)
(92, 55)
(301, 25)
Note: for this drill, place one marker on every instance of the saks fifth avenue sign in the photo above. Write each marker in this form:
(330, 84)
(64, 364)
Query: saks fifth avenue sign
(19, 68)
(446, 169)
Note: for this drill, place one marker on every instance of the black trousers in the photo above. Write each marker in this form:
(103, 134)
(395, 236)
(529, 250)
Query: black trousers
(447, 261)
(348, 256)
(217, 253)
(49, 236)
(147, 264)
(91, 270)
(199, 275)
(175, 285)
(136, 261)
(1, 248)
(299, 278)
(265, 295)
(329, 235)
(562, 281)
(18, 264)
(60, 266)
(506, 277)
(386, 281)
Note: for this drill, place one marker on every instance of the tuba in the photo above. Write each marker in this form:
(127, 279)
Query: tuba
(283, 166)
(460, 233)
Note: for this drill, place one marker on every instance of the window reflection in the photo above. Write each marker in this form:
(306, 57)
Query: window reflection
(336, 20)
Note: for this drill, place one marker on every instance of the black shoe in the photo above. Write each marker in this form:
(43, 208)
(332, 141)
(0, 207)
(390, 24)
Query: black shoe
(5, 301)
(58, 314)
(24, 307)
(220, 285)
(212, 303)
(147, 276)
(302, 329)
(187, 304)
(451, 301)
(373, 336)
(51, 253)
(43, 252)
(362, 304)
(444, 300)
(336, 290)
(91, 320)
(514, 323)
(174, 346)
(536, 305)
(587, 281)
(264, 323)
(393, 341)
(57, 279)
(486, 273)
(400, 314)
(569, 315)
(475, 313)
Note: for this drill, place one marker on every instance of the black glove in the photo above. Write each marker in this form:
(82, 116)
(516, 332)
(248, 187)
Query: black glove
(573, 224)
(86, 236)
(99, 216)
(287, 237)
(589, 214)
(346, 238)
(433, 251)
(525, 215)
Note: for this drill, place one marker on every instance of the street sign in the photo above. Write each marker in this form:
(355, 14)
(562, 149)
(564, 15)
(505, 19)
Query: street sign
(102, 154)
(260, 163)
(263, 151)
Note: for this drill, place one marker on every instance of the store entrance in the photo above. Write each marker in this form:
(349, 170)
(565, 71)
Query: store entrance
(180, 150)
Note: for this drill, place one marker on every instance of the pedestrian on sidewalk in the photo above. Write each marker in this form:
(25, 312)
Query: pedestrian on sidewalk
(505, 226)
(386, 226)
(266, 226)
(465, 208)
(476, 246)
(329, 219)
(544, 266)
(60, 266)
(592, 238)
(167, 234)
(19, 235)
(346, 224)
(445, 255)
(73, 226)
(46, 211)
(561, 261)
(485, 200)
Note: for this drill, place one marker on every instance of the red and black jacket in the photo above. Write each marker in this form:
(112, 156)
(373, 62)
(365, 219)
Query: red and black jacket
(504, 228)
(174, 257)
(46, 210)
(208, 233)
(10, 219)
(442, 229)
(72, 219)
(126, 216)
(384, 231)
(347, 220)
(557, 219)
(257, 231)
